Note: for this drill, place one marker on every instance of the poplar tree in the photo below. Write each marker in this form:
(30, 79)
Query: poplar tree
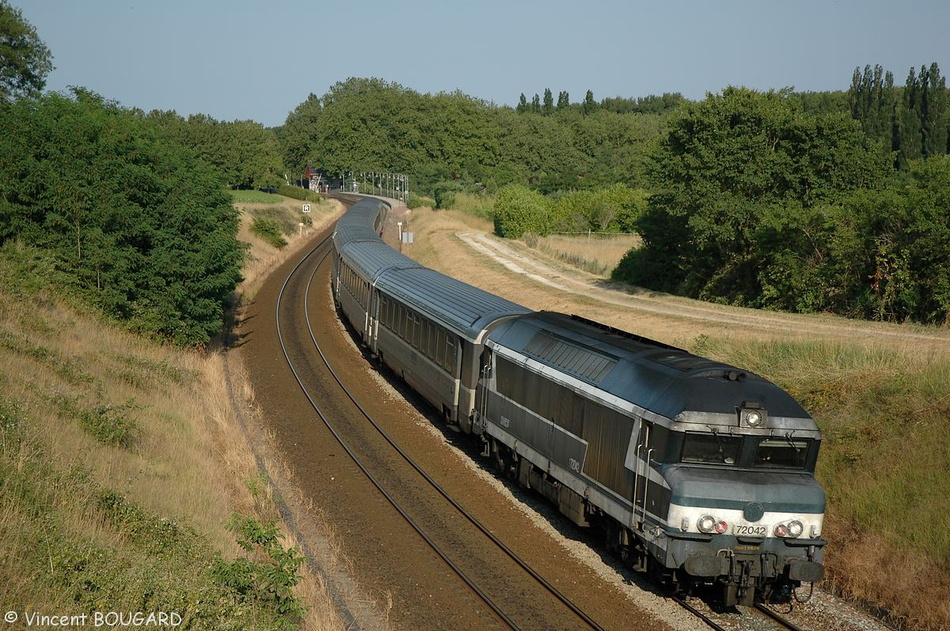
(933, 111)
(548, 107)
(589, 104)
(522, 104)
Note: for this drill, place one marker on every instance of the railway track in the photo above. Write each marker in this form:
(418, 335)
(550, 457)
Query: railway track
(450, 531)
(714, 621)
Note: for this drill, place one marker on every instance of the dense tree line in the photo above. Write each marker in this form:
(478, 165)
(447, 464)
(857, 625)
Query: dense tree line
(784, 200)
(244, 153)
(372, 125)
(138, 225)
(757, 202)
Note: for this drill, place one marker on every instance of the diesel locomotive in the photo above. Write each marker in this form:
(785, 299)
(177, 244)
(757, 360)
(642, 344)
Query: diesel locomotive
(696, 471)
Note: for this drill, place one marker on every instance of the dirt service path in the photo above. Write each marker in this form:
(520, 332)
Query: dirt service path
(460, 247)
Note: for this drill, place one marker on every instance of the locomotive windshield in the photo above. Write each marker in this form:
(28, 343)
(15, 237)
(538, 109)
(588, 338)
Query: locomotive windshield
(781, 453)
(746, 451)
(711, 449)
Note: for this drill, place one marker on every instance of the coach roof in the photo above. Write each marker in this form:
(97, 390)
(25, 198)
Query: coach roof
(370, 258)
(462, 308)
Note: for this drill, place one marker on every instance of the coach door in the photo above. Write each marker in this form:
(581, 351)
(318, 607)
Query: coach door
(482, 390)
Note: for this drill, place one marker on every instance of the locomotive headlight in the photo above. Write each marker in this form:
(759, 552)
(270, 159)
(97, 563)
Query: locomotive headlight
(792, 529)
(795, 528)
(709, 524)
(752, 415)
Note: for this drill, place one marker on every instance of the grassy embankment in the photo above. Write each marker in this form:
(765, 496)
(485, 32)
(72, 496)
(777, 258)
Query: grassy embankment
(883, 407)
(121, 466)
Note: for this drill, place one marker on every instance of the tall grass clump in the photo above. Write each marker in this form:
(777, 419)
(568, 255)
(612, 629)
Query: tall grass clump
(596, 254)
(884, 463)
(479, 205)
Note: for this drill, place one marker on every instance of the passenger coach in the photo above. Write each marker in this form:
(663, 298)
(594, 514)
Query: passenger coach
(427, 327)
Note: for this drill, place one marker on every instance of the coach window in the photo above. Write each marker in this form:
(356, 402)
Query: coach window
(449, 362)
(400, 321)
(431, 342)
(387, 311)
(420, 334)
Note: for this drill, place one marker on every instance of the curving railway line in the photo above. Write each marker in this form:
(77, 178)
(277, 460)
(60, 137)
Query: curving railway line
(490, 588)
(433, 545)
(367, 480)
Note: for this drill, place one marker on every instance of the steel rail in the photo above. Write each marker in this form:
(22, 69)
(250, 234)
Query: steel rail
(777, 617)
(681, 601)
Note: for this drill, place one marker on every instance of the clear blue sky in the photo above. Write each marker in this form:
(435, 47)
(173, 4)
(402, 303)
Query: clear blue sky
(244, 59)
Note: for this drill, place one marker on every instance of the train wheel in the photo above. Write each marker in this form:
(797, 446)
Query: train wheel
(506, 460)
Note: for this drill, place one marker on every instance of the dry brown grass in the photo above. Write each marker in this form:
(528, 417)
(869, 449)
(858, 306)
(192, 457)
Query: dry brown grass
(185, 457)
(596, 254)
(907, 590)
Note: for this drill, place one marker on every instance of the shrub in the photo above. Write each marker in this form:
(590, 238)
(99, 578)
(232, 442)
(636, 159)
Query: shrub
(269, 580)
(298, 193)
(518, 209)
(269, 230)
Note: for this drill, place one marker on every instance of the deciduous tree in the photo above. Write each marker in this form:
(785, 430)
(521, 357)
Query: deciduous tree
(24, 58)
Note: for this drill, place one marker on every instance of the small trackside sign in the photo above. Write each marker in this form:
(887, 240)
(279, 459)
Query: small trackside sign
(306, 208)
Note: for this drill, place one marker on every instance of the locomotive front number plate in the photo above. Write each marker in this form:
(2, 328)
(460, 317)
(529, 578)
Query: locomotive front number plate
(755, 531)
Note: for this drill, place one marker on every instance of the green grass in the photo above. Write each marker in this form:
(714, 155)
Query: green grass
(115, 557)
(478, 205)
(254, 197)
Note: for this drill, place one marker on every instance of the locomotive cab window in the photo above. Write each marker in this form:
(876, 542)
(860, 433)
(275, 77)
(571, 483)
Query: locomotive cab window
(711, 449)
(782, 453)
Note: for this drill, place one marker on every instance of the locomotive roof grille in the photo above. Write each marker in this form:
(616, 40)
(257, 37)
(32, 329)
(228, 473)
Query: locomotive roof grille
(576, 359)
(682, 361)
